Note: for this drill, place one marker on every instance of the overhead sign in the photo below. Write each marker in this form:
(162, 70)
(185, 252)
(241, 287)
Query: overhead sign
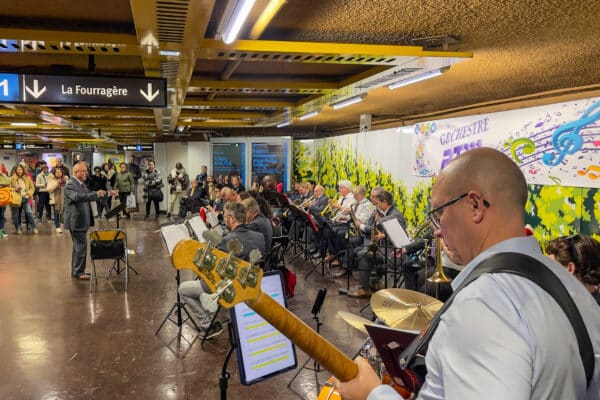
(83, 90)
(30, 146)
(135, 147)
(7, 146)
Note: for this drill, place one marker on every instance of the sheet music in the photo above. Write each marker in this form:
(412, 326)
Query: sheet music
(198, 227)
(173, 234)
(212, 219)
(395, 232)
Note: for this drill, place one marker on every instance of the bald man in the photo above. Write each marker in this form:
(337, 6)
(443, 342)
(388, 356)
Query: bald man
(503, 337)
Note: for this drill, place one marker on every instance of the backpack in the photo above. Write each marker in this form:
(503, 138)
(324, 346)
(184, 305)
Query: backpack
(289, 278)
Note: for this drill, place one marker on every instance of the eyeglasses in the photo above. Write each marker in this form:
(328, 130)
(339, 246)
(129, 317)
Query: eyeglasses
(435, 214)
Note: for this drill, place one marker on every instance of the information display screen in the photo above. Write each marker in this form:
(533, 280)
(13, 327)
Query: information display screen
(270, 159)
(262, 350)
(228, 159)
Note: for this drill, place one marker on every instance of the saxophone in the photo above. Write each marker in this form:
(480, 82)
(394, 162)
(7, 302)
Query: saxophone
(374, 244)
(353, 231)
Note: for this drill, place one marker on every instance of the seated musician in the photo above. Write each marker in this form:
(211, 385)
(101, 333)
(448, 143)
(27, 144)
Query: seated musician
(297, 224)
(359, 212)
(193, 200)
(315, 207)
(580, 254)
(256, 221)
(234, 217)
(337, 226)
(372, 257)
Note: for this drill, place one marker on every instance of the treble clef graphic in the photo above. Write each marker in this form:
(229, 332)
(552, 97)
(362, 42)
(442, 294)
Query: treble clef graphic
(566, 138)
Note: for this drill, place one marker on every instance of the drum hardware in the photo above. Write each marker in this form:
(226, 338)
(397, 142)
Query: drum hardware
(404, 309)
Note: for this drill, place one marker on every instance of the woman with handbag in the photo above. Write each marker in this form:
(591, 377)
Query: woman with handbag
(124, 183)
(56, 187)
(152, 189)
(5, 197)
(23, 189)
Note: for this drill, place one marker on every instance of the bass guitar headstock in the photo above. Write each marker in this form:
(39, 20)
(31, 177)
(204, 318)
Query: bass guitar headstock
(230, 279)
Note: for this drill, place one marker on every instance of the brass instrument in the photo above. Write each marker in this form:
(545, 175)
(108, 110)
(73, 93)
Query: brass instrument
(374, 245)
(327, 208)
(353, 231)
(341, 212)
(420, 229)
(438, 276)
(306, 203)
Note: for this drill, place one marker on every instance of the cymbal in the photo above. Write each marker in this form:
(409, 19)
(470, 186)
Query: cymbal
(404, 309)
(355, 321)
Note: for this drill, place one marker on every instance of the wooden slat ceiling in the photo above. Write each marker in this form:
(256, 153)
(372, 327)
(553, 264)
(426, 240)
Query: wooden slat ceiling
(306, 56)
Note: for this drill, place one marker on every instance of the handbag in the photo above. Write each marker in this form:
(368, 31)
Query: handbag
(155, 194)
(131, 204)
(17, 199)
(5, 196)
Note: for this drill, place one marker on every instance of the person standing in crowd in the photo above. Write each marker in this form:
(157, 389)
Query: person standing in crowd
(124, 184)
(78, 217)
(202, 177)
(56, 189)
(236, 184)
(110, 174)
(98, 182)
(41, 184)
(580, 254)
(179, 181)
(137, 174)
(503, 336)
(152, 189)
(59, 164)
(234, 218)
(23, 189)
(4, 183)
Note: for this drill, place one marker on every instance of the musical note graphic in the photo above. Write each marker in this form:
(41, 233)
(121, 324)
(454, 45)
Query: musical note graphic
(541, 123)
(566, 139)
(528, 147)
(590, 172)
(555, 179)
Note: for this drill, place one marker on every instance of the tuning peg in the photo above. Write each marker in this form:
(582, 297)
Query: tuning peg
(255, 255)
(235, 246)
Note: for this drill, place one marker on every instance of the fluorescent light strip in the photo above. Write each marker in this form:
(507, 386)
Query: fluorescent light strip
(348, 102)
(237, 19)
(23, 124)
(284, 123)
(417, 78)
(169, 53)
(308, 115)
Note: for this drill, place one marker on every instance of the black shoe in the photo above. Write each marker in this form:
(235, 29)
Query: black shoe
(168, 215)
(214, 330)
(147, 217)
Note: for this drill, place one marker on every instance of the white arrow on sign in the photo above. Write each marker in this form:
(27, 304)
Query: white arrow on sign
(35, 92)
(149, 95)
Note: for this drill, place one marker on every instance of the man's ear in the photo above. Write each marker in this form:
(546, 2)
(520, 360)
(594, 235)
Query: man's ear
(571, 267)
(478, 212)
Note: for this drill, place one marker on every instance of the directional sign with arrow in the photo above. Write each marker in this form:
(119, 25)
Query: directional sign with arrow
(90, 90)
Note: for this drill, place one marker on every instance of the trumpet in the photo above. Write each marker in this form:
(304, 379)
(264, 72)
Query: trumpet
(327, 208)
(306, 203)
(420, 229)
(340, 212)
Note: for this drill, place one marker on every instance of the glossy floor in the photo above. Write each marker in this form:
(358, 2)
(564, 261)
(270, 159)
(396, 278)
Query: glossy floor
(58, 341)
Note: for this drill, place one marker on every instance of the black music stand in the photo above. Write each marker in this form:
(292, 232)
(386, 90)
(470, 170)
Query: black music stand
(225, 375)
(177, 307)
(300, 223)
(115, 212)
(316, 368)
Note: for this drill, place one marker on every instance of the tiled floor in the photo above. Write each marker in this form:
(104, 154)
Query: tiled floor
(58, 341)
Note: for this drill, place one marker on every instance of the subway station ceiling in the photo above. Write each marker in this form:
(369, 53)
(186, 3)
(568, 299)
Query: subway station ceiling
(293, 58)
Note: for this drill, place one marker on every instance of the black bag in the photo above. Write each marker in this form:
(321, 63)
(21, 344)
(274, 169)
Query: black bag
(104, 249)
(155, 194)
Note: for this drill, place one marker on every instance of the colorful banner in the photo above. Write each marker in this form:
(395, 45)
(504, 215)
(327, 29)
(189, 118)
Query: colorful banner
(553, 144)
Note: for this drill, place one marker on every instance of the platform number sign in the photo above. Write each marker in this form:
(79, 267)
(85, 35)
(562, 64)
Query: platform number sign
(9, 87)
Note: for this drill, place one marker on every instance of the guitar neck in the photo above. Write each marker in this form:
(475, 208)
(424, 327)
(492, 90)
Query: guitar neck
(292, 327)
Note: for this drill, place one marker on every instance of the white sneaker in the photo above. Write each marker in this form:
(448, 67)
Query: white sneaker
(58, 230)
(35, 231)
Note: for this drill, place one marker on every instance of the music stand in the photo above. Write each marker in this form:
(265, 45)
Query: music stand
(115, 212)
(299, 221)
(177, 307)
(316, 368)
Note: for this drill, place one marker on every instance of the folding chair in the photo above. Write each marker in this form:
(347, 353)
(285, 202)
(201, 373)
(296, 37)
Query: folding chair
(109, 244)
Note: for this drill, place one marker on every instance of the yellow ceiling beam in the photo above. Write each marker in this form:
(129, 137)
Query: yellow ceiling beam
(124, 39)
(102, 112)
(116, 121)
(263, 84)
(222, 123)
(236, 103)
(211, 48)
(222, 114)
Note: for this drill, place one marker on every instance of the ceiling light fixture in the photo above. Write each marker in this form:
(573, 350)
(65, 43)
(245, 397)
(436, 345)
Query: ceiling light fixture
(169, 53)
(308, 115)
(233, 18)
(284, 123)
(23, 124)
(418, 78)
(349, 101)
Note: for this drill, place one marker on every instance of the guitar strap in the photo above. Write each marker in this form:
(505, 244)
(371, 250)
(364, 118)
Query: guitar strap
(532, 269)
